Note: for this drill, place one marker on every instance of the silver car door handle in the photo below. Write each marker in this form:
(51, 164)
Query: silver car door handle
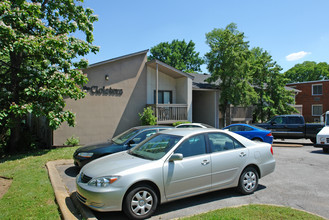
(243, 154)
(205, 162)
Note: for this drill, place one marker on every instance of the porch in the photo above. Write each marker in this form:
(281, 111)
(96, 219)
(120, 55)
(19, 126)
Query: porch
(170, 113)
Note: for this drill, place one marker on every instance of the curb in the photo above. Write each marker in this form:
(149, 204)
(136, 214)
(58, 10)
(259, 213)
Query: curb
(63, 199)
(69, 205)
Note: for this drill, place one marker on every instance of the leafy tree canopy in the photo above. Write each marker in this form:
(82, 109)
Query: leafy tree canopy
(39, 59)
(308, 71)
(228, 60)
(178, 54)
(273, 98)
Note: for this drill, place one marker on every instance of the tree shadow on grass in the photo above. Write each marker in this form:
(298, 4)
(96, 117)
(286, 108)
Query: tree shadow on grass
(22, 155)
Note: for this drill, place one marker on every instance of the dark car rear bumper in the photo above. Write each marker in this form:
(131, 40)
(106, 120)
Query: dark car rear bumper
(321, 145)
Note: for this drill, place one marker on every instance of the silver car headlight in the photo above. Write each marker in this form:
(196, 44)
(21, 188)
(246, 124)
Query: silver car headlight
(103, 181)
(85, 154)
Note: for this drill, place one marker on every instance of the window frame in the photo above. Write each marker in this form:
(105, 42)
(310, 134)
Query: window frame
(317, 105)
(210, 150)
(314, 85)
(161, 93)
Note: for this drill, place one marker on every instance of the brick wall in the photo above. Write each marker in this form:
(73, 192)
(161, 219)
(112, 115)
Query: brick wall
(307, 99)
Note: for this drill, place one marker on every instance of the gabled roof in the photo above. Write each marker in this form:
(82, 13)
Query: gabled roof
(119, 58)
(173, 72)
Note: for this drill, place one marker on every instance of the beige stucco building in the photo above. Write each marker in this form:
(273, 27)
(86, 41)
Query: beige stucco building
(120, 88)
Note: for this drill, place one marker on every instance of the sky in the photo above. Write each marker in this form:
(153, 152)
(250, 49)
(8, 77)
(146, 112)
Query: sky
(292, 31)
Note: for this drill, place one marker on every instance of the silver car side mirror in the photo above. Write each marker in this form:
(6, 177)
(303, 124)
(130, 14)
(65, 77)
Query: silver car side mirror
(175, 157)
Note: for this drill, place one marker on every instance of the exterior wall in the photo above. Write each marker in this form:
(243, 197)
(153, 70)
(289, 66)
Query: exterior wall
(205, 107)
(101, 116)
(165, 82)
(181, 88)
(306, 98)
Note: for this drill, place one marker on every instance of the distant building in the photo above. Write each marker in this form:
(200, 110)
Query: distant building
(314, 98)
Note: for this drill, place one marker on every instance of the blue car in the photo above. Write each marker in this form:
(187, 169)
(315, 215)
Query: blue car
(251, 132)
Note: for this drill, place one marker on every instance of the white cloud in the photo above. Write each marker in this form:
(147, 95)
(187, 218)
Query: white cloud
(297, 56)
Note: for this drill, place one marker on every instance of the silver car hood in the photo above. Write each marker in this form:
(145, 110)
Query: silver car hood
(113, 164)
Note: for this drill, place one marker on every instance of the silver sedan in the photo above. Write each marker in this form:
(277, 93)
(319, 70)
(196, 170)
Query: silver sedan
(171, 165)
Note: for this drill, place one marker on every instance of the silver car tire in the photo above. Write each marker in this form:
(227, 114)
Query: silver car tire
(140, 203)
(248, 181)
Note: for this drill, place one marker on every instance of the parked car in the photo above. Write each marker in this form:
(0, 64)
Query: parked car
(322, 138)
(124, 141)
(193, 125)
(291, 127)
(173, 164)
(251, 132)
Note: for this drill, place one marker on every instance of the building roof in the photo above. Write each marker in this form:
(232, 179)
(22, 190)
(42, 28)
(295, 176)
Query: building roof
(119, 58)
(200, 83)
(173, 72)
(306, 82)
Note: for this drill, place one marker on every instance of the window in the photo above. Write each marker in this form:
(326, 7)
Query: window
(222, 142)
(164, 97)
(193, 146)
(317, 110)
(295, 120)
(142, 136)
(317, 89)
(240, 128)
(279, 120)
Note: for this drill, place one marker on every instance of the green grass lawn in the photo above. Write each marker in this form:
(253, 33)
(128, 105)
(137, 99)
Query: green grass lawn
(31, 195)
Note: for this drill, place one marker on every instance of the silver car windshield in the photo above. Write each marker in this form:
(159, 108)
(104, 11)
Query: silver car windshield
(156, 147)
(121, 138)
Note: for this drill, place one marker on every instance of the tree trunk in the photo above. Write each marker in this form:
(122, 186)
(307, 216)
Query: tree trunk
(15, 135)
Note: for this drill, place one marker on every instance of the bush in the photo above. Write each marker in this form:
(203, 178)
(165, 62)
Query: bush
(72, 141)
(147, 117)
(180, 122)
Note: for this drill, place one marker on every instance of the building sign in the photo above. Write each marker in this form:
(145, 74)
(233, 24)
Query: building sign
(94, 90)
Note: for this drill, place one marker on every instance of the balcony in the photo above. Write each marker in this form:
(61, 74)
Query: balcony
(170, 113)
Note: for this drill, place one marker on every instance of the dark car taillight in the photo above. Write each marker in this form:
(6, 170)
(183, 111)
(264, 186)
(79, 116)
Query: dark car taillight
(269, 134)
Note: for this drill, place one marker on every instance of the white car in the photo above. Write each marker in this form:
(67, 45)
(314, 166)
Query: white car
(322, 138)
(171, 165)
(193, 125)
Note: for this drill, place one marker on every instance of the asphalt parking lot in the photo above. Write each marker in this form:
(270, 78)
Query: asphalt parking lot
(299, 181)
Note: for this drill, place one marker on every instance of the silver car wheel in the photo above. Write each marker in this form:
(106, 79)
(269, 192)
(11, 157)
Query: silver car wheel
(141, 202)
(249, 181)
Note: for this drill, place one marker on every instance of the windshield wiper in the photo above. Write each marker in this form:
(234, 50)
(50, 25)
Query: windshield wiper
(138, 155)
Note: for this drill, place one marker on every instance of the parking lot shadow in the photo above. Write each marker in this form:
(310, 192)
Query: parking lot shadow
(72, 171)
(182, 203)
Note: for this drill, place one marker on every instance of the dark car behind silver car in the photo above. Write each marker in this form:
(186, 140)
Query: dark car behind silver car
(124, 141)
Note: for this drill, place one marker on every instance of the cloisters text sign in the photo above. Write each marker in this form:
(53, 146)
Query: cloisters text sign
(94, 90)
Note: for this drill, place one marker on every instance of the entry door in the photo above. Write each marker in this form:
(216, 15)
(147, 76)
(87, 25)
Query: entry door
(228, 159)
(190, 175)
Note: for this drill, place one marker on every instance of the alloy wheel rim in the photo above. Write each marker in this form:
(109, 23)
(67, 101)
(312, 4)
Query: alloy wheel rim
(141, 202)
(249, 181)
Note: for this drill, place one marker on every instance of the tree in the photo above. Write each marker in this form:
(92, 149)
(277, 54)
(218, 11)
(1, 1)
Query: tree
(40, 60)
(228, 63)
(269, 84)
(308, 71)
(178, 54)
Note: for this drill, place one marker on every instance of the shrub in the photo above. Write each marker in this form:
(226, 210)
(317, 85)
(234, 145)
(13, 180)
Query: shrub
(179, 122)
(147, 117)
(72, 141)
